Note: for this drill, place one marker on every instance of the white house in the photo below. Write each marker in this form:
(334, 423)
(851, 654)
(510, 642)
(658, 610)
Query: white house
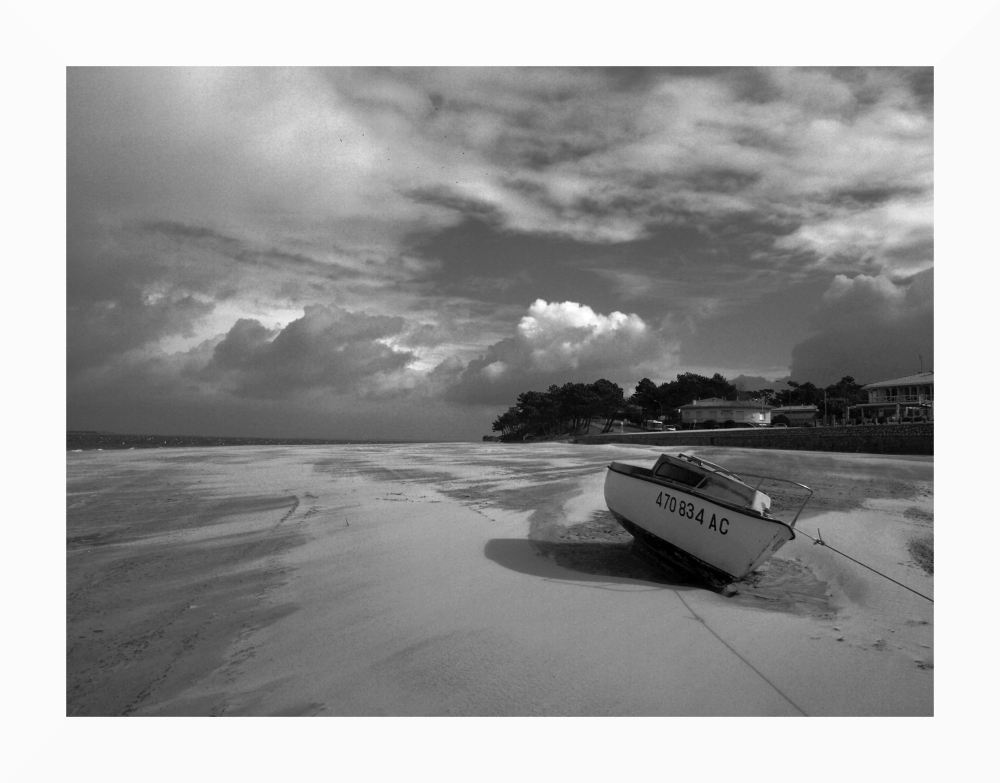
(744, 413)
(911, 397)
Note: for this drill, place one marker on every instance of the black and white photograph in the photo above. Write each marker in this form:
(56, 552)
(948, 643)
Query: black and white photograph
(546, 385)
(358, 345)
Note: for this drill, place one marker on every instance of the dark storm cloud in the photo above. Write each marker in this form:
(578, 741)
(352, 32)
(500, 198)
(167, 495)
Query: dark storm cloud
(155, 395)
(327, 349)
(118, 302)
(98, 331)
(870, 328)
(243, 346)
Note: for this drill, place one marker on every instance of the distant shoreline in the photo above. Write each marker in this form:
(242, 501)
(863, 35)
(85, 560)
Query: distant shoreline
(85, 440)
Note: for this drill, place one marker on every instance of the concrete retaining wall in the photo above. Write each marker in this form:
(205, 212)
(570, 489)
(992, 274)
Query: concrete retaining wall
(866, 439)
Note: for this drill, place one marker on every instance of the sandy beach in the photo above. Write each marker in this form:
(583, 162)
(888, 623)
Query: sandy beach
(477, 580)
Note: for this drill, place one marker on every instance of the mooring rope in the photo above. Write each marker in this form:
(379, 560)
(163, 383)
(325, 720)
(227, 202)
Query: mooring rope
(821, 542)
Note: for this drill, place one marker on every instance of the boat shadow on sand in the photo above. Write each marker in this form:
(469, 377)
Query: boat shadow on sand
(581, 562)
(599, 550)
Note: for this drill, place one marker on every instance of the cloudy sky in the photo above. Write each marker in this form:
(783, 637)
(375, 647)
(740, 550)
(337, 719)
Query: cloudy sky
(393, 252)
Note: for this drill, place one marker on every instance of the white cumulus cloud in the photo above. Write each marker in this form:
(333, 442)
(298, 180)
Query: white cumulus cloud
(566, 334)
(563, 342)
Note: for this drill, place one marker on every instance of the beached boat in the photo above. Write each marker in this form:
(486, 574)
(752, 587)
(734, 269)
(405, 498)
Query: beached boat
(691, 513)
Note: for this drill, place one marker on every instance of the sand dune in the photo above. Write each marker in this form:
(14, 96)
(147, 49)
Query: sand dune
(474, 579)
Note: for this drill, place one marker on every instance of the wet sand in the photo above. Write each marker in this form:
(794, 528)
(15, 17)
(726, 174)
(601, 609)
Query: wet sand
(476, 579)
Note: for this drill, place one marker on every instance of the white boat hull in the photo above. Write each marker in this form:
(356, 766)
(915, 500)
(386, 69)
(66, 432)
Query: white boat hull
(713, 540)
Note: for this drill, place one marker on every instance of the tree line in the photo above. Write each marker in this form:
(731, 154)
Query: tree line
(572, 407)
(569, 408)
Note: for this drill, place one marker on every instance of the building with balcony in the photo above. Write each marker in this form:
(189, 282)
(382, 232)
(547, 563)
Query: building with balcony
(746, 413)
(900, 399)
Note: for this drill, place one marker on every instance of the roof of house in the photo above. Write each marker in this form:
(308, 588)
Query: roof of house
(715, 402)
(795, 409)
(909, 380)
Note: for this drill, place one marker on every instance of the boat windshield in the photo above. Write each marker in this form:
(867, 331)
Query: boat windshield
(681, 475)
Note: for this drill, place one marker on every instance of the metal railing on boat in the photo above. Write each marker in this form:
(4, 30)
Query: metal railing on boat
(718, 468)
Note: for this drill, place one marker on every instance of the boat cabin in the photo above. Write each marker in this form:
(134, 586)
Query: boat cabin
(711, 481)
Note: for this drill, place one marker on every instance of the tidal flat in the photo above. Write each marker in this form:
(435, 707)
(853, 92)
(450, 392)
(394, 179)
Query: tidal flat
(476, 579)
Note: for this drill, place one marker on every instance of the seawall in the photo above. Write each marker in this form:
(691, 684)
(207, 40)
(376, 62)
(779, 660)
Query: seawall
(864, 439)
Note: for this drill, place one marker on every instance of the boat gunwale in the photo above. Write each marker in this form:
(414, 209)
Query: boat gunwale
(677, 486)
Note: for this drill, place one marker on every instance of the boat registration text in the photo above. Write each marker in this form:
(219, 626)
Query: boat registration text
(687, 510)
